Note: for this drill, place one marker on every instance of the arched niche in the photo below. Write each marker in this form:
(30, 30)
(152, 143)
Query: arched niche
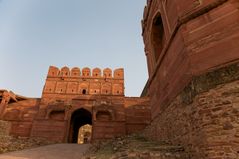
(157, 36)
(83, 88)
(106, 88)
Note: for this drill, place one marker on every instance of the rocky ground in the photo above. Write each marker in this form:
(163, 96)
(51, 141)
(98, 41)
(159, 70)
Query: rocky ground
(129, 147)
(9, 143)
(134, 147)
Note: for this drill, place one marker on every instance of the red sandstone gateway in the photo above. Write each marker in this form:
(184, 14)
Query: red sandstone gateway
(192, 50)
(72, 99)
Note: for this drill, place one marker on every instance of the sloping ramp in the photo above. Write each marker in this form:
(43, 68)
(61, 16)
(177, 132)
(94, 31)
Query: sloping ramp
(57, 151)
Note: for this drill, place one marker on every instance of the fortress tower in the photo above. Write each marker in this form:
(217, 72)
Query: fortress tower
(192, 51)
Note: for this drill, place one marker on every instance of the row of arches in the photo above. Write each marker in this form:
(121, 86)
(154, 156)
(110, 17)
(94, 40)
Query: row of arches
(105, 88)
(85, 72)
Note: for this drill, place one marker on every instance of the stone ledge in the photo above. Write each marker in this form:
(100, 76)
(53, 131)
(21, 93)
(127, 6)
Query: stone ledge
(208, 81)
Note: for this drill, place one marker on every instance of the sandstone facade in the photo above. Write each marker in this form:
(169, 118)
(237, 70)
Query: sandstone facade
(190, 99)
(74, 98)
(192, 50)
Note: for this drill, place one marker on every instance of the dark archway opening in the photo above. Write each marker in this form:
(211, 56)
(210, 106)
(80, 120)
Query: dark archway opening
(158, 36)
(83, 91)
(79, 118)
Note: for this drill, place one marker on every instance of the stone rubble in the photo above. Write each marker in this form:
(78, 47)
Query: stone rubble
(134, 147)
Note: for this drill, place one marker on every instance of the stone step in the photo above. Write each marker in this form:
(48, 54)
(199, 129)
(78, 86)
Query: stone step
(150, 155)
(164, 148)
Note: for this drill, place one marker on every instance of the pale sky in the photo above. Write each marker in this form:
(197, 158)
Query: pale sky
(35, 34)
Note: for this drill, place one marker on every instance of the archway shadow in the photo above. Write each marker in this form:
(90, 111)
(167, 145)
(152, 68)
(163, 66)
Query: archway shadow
(79, 118)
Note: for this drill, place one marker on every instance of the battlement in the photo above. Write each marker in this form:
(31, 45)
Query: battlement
(85, 72)
(66, 81)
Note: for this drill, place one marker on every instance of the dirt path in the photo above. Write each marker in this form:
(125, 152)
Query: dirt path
(57, 151)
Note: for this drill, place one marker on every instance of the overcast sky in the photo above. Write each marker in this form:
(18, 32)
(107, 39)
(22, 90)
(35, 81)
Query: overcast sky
(35, 34)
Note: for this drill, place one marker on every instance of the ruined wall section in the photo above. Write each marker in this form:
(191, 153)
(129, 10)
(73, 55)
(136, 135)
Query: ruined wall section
(21, 115)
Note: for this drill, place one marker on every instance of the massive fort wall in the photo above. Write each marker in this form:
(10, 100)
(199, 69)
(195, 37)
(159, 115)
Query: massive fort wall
(192, 50)
(197, 36)
(72, 98)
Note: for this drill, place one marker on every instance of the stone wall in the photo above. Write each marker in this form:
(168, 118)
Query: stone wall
(184, 39)
(204, 117)
(138, 114)
(10, 143)
(4, 128)
(21, 115)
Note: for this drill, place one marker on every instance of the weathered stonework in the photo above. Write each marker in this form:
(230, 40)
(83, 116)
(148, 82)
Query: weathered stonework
(72, 99)
(192, 50)
(191, 97)
(206, 125)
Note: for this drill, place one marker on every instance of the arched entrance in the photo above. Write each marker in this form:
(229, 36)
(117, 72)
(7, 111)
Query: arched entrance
(79, 118)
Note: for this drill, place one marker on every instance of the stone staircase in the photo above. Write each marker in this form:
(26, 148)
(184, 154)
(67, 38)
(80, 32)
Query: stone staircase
(137, 147)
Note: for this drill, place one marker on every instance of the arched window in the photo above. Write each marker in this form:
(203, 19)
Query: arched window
(84, 91)
(157, 36)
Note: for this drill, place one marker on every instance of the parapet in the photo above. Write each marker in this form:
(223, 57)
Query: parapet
(85, 72)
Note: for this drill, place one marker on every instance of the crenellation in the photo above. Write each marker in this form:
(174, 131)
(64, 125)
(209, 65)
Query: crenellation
(119, 73)
(75, 72)
(96, 73)
(53, 71)
(65, 72)
(86, 72)
(107, 73)
(66, 81)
